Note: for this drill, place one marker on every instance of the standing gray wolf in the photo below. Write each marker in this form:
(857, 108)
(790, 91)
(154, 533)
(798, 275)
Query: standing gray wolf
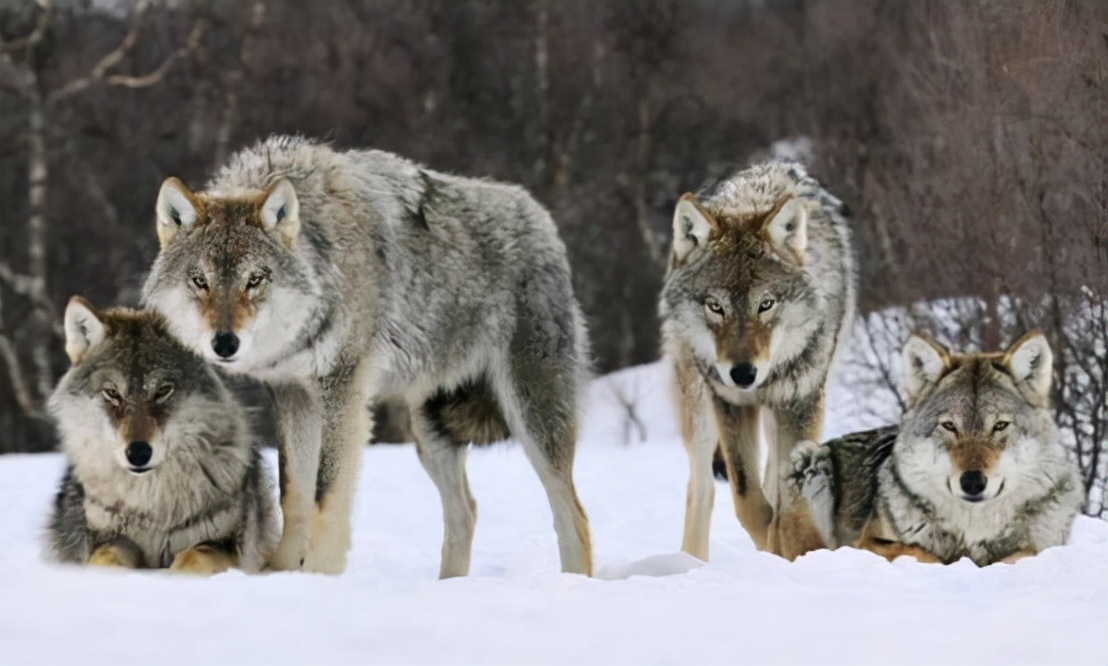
(161, 469)
(340, 276)
(759, 293)
(975, 469)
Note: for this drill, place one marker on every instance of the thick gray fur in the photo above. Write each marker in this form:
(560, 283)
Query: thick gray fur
(452, 293)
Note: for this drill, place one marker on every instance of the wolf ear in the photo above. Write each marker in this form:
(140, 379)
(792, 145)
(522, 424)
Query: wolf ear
(692, 226)
(1030, 360)
(176, 209)
(281, 211)
(788, 230)
(83, 329)
(924, 363)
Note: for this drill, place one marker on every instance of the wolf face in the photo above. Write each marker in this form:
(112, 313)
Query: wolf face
(979, 425)
(739, 290)
(125, 401)
(228, 270)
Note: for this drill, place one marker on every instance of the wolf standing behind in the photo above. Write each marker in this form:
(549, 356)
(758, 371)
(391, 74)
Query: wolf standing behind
(975, 469)
(759, 294)
(339, 276)
(161, 471)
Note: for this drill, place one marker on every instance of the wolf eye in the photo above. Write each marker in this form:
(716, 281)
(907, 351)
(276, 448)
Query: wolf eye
(949, 425)
(199, 282)
(112, 396)
(713, 305)
(255, 281)
(766, 304)
(163, 392)
(1000, 426)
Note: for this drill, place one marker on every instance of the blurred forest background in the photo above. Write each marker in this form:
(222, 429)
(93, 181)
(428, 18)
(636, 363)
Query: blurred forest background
(969, 138)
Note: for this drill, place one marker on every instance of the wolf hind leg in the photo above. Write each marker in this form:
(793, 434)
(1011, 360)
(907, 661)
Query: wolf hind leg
(539, 403)
(738, 435)
(346, 432)
(444, 459)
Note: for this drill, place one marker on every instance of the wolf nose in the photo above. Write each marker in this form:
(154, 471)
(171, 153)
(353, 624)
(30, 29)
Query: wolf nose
(973, 483)
(743, 374)
(225, 344)
(139, 453)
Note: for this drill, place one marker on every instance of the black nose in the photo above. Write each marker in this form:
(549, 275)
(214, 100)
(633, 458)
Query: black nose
(743, 374)
(973, 483)
(139, 453)
(225, 344)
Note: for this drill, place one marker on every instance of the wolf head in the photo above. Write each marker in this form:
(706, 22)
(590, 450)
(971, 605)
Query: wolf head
(133, 395)
(227, 278)
(738, 288)
(978, 425)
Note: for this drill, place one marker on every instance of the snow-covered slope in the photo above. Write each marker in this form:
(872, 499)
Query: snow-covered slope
(648, 604)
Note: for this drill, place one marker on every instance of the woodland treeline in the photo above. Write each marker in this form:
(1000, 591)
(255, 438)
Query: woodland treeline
(970, 140)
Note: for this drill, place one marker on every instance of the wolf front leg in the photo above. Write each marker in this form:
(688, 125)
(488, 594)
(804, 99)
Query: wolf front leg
(738, 434)
(792, 531)
(700, 434)
(300, 427)
(346, 431)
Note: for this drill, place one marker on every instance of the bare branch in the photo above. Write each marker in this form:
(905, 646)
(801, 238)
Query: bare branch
(31, 40)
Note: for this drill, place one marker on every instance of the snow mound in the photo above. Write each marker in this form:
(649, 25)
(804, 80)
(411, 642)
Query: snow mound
(668, 564)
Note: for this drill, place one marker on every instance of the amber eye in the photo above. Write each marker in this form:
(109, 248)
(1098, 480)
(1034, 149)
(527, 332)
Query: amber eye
(199, 282)
(255, 281)
(111, 396)
(1000, 426)
(713, 305)
(766, 304)
(163, 393)
(949, 425)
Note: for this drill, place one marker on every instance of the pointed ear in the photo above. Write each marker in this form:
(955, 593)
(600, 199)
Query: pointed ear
(692, 226)
(1030, 360)
(788, 230)
(924, 361)
(281, 211)
(176, 209)
(84, 329)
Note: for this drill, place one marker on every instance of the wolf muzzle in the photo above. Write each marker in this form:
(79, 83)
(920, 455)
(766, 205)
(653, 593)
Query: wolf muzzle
(138, 455)
(225, 344)
(744, 374)
(973, 484)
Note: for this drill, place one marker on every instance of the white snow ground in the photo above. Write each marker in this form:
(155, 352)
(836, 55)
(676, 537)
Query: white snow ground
(648, 605)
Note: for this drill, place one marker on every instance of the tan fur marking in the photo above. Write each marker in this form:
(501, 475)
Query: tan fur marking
(732, 345)
(137, 425)
(972, 454)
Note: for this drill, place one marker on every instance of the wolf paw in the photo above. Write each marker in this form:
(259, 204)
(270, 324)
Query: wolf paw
(111, 556)
(289, 556)
(202, 561)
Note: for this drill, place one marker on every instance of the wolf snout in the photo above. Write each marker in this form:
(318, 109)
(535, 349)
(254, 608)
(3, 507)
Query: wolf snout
(973, 484)
(744, 374)
(225, 344)
(139, 453)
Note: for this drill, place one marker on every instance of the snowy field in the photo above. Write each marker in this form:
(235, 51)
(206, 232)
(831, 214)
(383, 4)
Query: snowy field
(648, 605)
